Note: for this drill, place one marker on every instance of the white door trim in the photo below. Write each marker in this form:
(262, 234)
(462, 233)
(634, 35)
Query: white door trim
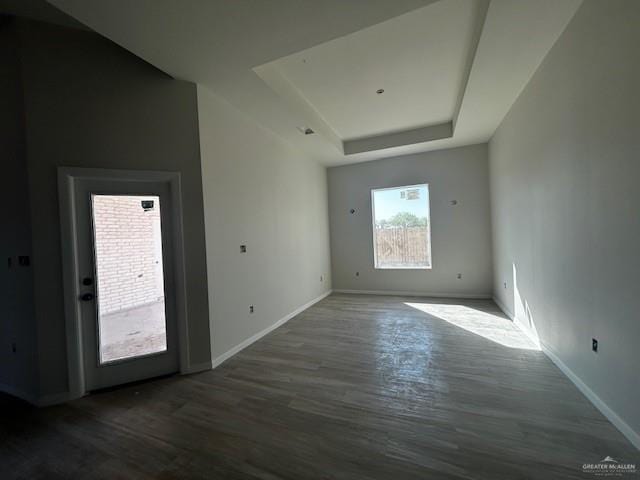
(67, 178)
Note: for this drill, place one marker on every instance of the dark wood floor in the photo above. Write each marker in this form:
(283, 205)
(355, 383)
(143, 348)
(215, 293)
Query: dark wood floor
(356, 387)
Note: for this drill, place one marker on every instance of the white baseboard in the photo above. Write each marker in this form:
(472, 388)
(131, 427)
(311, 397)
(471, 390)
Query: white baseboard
(621, 425)
(523, 328)
(414, 294)
(42, 401)
(612, 416)
(531, 335)
(53, 399)
(197, 367)
(241, 346)
(503, 307)
(19, 393)
(63, 397)
(56, 398)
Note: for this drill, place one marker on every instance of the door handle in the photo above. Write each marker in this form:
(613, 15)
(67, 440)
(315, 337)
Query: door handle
(87, 297)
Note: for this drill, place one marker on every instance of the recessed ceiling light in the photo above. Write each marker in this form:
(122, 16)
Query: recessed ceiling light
(380, 91)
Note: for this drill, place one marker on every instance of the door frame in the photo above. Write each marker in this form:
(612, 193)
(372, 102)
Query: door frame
(67, 179)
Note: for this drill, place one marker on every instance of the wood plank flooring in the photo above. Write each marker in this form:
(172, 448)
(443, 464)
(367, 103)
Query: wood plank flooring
(356, 387)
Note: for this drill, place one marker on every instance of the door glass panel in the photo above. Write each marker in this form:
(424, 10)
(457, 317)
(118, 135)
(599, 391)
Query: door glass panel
(130, 279)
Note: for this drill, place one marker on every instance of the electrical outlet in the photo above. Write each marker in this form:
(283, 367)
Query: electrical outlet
(250, 308)
(322, 278)
(243, 249)
(357, 274)
(505, 284)
(24, 261)
(459, 276)
(594, 345)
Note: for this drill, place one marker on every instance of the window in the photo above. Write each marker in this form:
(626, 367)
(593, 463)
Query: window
(130, 276)
(401, 227)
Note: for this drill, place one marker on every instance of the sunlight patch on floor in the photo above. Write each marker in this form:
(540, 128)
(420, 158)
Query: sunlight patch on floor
(492, 327)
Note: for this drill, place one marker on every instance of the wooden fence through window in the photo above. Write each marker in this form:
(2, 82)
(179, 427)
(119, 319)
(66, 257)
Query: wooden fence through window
(402, 247)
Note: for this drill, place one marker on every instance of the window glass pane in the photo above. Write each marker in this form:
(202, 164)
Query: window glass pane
(401, 227)
(130, 279)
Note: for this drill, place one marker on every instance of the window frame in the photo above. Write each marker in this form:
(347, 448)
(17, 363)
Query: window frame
(373, 227)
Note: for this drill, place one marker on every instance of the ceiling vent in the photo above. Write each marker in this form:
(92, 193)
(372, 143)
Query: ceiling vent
(306, 130)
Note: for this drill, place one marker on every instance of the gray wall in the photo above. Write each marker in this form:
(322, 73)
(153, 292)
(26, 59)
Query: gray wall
(565, 200)
(89, 103)
(260, 192)
(460, 234)
(17, 322)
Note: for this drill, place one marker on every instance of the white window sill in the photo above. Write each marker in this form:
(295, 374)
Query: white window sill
(402, 268)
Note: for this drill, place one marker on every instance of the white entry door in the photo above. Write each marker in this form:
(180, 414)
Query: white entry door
(125, 266)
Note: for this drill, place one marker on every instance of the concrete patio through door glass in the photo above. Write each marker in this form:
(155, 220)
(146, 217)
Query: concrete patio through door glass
(133, 332)
(130, 277)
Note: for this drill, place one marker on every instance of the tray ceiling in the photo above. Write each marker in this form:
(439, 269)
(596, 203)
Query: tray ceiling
(450, 69)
